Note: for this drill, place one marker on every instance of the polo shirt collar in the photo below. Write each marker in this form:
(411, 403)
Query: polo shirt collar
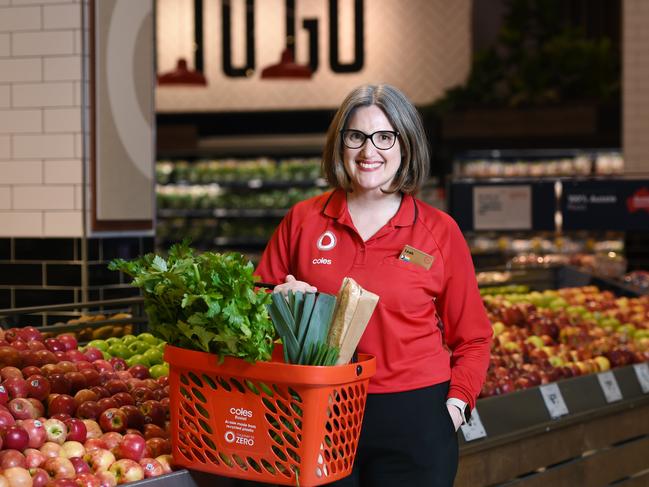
(336, 207)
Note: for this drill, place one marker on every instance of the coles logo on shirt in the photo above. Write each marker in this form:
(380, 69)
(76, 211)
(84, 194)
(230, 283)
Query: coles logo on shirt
(327, 241)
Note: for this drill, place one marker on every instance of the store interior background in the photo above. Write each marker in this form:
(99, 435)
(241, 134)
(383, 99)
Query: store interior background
(84, 125)
(524, 102)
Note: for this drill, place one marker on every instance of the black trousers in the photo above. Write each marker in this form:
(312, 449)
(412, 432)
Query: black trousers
(407, 440)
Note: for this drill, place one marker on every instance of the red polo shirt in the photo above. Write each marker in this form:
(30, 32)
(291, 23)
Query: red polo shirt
(318, 243)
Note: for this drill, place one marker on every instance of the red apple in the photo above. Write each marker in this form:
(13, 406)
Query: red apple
(106, 478)
(4, 395)
(141, 394)
(113, 419)
(94, 443)
(9, 371)
(154, 431)
(17, 476)
(87, 480)
(99, 459)
(67, 366)
(83, 395)
(62, 403)
(38, 387)
(77, 380)
(167, 463)
(134, 417)
(139, 371)
(36, 432)
(80, 465)
(76, 430)
(12, 458)
(68, 340)
(92, 354)
(54, 345)
(38, 406)
(59, 384)
(131, 447)
(158, 446)
(30, 334)
(75, 356)
(123, 398)
(70, 449)
(88, 410)
(50, 449)
(91, 376)
(16, 387)
(102, 365)
(61, 416)
(21, 408)
(9, 356)
(111, 439)
(31, 370)
(33, 458)
(153, 412)
(85, 365)
(45, 357)
(59, 468)
(15, 437)
(118, 363)
(116, 385)
(40, 477)
(152, 467)
(107, 403)
(126, 470)
(92, 429)
(20, 345)
(101, 391)
(6, 419)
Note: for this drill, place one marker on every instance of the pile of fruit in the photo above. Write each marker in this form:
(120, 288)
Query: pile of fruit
(87, 333)
(69, 417)
(541, 337)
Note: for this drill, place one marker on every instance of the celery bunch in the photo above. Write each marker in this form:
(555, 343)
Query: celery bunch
(302, 320)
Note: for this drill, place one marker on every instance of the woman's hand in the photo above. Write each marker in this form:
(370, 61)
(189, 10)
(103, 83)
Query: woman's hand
(292, 284)
(456, 416)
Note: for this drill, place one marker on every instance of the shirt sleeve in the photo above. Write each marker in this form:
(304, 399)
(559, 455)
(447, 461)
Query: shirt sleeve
(467, 330)
(275, 260)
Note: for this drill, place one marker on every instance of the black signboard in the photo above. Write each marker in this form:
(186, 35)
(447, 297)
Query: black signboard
(605, 205)
(482, 205)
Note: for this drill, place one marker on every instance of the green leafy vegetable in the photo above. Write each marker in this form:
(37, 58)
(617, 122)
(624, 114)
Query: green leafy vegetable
(303, 321)
(203, 302)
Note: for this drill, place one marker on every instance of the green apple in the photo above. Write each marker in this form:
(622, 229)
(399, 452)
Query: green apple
(113, 340)
(127, 339)
(138, 347)
(137, 359)
(154, 356)
(99, 344)
(159, 370)
(148, 338)
(120, 350)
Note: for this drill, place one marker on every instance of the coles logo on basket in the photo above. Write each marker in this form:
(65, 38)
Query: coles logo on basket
(327, 241)
(638, 201)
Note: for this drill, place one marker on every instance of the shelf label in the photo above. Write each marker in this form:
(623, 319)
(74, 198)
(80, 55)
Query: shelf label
(610, 387)
(642, 372)
(554, 400)
(499, 207)
(473, 429)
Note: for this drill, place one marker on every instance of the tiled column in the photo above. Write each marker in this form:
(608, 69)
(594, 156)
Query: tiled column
(47, 255)
(635, 86)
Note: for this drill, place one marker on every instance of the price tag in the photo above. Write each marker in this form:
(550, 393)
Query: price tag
(609, 386)
(473, 429)
(642, 372)
(554, 400)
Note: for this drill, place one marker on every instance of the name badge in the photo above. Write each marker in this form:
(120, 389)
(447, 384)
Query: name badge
(417, 257)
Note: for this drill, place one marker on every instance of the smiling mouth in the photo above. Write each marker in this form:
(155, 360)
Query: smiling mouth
(369, 165)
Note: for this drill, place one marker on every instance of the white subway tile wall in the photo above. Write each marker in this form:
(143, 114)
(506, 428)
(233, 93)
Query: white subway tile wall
(62, 120)
(64, 172)
(43, 197)
(5, 198)
(62, 16)
(4, 44)
(23, 223)
(21, 172)
(635, 87)
(63, 223)
(43, 146)
(41, 165)
(15, 19)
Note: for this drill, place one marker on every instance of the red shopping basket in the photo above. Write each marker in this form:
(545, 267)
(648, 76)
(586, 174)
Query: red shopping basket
(266, 422)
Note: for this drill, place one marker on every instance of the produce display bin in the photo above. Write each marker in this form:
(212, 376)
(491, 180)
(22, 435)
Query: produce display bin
(269, 421)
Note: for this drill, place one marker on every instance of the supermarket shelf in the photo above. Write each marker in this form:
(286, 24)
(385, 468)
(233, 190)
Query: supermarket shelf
(223, 213)
(256, 183)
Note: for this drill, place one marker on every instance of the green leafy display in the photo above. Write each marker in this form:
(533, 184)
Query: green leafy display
(203, 302)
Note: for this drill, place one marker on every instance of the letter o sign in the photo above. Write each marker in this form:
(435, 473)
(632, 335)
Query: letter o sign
(327, 241)
(229, 436)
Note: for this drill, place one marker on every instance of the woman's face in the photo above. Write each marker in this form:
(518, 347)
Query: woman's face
(371, 169)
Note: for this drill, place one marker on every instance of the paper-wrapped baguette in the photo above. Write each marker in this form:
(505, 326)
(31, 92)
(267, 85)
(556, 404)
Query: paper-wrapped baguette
(348, 297)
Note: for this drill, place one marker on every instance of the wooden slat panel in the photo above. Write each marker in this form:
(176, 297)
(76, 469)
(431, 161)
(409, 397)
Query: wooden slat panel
(510, 460)
(639, 481)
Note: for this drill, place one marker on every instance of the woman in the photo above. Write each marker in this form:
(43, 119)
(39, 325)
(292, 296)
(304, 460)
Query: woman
(429, 332)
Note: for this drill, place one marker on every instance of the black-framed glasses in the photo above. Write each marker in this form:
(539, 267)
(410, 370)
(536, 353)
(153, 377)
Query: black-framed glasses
(382, 139)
